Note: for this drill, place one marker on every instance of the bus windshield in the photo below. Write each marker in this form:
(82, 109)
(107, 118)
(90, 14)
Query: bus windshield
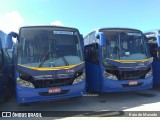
(125, 45)
(49, 47)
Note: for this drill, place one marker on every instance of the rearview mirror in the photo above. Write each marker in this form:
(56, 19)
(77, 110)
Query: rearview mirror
(102, 38)
(99, 34)
(9, 40)
(81, 36)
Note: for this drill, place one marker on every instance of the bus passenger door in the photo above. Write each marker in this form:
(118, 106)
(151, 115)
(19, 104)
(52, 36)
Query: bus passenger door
(92, 67)
(153, 47)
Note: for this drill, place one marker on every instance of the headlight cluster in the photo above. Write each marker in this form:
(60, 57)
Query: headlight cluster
(109, 76)
(149, 74)
(79, 79)
(24, 83)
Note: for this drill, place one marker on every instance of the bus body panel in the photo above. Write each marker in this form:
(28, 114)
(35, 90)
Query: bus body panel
(109, 85)
(156, 74)
(7, 79)
(48, 57)
(6, 70)
(95, 73)
(93, 83)
(25, 95)
(154, 44)
(3, 86)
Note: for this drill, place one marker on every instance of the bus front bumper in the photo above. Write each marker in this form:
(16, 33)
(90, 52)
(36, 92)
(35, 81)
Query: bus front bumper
(109, 85)
(26, 95)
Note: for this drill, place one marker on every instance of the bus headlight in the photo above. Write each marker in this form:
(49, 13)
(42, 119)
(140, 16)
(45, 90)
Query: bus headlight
(149, 74)
(79, 79)
(109, 76)
(24, 83)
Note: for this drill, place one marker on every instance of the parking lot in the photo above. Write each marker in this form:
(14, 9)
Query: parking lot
(94, 104)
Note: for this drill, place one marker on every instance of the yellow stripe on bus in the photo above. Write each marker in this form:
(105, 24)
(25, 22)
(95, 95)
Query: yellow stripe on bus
(131, 61)
(51, 68)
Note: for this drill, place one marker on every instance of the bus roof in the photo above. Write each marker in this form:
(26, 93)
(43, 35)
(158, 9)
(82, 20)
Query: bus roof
(55, 26)
(156, 31)
(118, 28)
(111, 28)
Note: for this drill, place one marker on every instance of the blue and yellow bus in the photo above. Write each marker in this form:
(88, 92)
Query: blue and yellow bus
(49, 63)
(153, 40)
(6, 71)
(117, 59)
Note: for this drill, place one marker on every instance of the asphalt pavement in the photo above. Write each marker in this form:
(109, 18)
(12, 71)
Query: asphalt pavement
(119, 105)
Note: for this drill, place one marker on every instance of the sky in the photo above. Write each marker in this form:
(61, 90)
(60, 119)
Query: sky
(86, 15)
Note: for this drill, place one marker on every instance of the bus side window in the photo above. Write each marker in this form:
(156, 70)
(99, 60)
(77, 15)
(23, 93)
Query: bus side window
(86, 51)
(153, 47)
(153, 50)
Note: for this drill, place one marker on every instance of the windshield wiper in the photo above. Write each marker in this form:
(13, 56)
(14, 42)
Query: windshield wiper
(44, 58)
(58, 53)
(63, 58)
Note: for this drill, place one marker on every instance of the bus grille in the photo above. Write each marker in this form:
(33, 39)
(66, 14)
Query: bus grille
(52, 83)
(129, 75)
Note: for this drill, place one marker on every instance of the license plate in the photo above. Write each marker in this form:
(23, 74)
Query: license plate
(133, 82)
(54, 90)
